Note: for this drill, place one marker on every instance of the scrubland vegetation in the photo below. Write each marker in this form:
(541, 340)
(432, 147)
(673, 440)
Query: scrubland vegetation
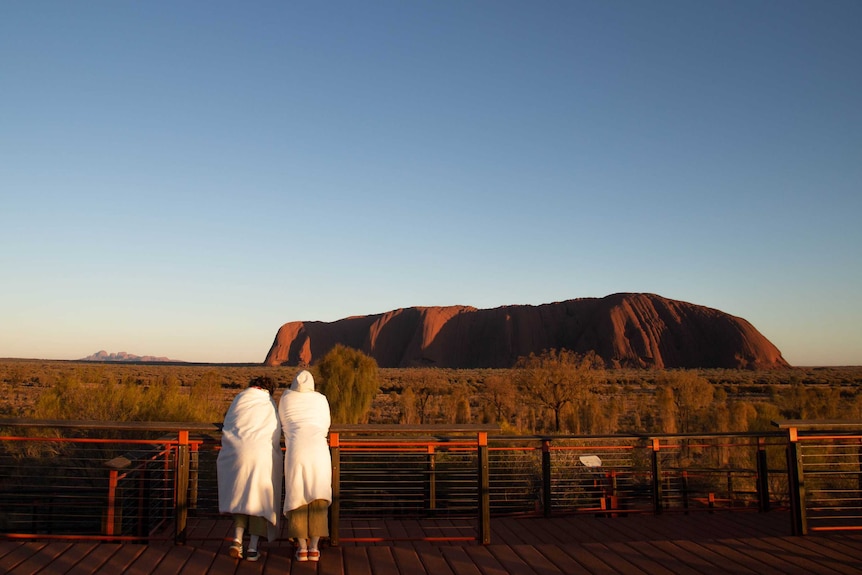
(555, 392)
(578, 399)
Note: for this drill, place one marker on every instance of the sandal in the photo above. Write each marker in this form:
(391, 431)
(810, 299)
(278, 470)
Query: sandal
(301, 555)
(313, 555)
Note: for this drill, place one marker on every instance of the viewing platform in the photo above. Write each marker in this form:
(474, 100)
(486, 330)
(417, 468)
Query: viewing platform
(103, 497)
(718, 543)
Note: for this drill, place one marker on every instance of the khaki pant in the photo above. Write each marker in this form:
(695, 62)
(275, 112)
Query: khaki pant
(309, 520)
(251, 524)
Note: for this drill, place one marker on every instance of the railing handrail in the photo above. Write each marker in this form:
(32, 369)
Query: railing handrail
(818, 424)
(640, 436)
(374, 428)
(199, 426)
(112, 425)
(431, 429)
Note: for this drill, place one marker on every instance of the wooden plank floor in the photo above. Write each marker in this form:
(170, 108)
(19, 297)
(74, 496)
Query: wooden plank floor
(745, 543)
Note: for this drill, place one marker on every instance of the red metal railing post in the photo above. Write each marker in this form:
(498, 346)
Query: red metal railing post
(484, 490)
(547, 499)
(181, 502)
(431, 483)
(656, 476)
(110, 513)
(796, 479)
(113, 515)
(335, 507)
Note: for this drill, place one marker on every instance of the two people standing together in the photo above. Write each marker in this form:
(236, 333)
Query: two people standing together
(251, 467)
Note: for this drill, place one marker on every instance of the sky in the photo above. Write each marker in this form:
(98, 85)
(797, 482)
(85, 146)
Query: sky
(180, 179)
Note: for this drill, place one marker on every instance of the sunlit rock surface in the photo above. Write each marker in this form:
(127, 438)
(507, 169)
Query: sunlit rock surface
(625, 329)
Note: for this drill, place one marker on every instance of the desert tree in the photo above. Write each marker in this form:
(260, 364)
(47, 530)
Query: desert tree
(853, 408)
(742, 415)
(766, 413)
(666, 409)
(408, 406)
(456, 404)
(719, 412)
(802, 401)
(206, 390)
(348, 379)
(692, 396)
(597, 415)
(557, 379)
(428, 386)
(498, 396)
(793, 401)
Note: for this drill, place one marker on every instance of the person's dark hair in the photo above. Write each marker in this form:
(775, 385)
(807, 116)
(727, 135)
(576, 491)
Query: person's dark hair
(263, 382)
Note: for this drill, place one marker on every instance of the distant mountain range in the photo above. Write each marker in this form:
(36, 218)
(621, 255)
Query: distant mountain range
(122, 356)
(625, 329)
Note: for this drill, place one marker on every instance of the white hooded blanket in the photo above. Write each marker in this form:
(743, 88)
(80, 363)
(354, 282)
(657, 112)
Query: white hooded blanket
(250, 461)
(305, 419)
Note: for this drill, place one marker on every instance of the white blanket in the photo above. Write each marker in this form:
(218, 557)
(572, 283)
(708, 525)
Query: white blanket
(305, 419)
(250, 461)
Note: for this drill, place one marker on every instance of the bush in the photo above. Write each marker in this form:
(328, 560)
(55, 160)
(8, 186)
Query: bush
(349, 381)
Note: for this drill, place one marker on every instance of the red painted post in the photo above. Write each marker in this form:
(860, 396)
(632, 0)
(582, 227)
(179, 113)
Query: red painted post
(547, 500)
(335, 507)
(182, 486)
(110, 514)
(656, 476)
(484, 490)
(431, 483)
(796, 479)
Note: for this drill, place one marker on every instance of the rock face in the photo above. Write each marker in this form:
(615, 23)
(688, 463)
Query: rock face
(626, 330)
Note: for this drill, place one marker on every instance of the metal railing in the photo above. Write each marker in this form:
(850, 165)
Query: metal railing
(411, 471)
(98, 480)
(824, 460)
(145, 481)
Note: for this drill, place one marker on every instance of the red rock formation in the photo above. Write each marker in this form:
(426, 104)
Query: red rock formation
(626, 330)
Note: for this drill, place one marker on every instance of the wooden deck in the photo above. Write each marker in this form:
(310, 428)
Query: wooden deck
(751, 543)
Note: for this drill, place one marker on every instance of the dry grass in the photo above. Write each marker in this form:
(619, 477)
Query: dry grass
(23, 381)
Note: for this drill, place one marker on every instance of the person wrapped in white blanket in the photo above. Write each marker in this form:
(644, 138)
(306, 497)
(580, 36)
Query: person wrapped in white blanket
(305, 419)
(250, 466)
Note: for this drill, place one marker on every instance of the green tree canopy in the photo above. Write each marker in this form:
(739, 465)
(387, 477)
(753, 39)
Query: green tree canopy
(349, 381)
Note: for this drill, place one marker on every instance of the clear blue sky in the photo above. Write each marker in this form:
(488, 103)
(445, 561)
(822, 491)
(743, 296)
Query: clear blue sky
(181, 178)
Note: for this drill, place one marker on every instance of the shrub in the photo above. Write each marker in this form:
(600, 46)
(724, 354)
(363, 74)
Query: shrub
(166, 401)
(349, 381)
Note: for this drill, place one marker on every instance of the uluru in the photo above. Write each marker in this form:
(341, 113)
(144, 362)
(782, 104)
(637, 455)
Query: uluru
(624, 329)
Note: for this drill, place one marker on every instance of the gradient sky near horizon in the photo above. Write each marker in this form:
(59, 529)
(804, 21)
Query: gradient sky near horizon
(179, 179)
